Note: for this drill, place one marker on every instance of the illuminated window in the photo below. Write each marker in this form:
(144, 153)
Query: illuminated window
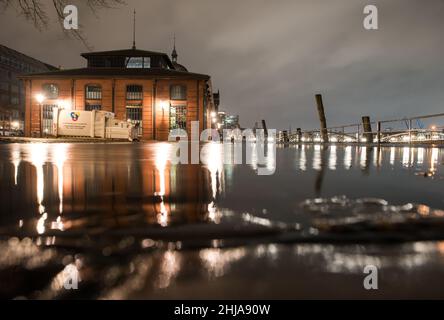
(93, 92)
(178, 117)
(134, 116)
(138, 62)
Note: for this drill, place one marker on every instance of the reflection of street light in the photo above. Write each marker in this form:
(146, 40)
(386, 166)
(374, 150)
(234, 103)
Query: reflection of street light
(40, 98)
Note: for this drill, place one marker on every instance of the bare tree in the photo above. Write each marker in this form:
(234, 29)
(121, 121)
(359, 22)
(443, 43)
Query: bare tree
(36, 11)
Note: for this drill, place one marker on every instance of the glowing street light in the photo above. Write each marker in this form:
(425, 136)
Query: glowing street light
(40, 98)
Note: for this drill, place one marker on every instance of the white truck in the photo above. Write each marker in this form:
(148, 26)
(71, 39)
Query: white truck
(94, 124)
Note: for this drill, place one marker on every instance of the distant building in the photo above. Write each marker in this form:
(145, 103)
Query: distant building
(227, 121)
(12, 92)
(143, 87)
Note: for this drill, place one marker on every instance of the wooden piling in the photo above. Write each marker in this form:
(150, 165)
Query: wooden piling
(367, 129)
(379, 132)
(264, 126)
(322, 119)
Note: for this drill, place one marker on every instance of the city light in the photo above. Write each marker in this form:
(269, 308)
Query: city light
(15, 125)
(64, 104)
(40, 97)
(164, 105)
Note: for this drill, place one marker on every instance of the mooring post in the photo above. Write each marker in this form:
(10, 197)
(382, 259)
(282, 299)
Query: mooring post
(379, 132)
(320, 104)
(264, 126)
(367, 129)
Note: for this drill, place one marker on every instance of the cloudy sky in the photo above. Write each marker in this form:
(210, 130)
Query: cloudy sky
(269, 58)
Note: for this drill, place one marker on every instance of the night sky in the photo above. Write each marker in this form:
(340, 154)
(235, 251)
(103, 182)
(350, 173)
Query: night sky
(269, 58)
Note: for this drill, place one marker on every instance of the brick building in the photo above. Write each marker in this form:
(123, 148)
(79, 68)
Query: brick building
(144, 87)
(12, 93)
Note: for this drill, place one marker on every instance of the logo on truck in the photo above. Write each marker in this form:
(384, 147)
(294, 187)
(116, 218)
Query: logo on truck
(75, 116)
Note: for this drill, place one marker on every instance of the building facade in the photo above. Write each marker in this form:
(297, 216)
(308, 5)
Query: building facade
(12, 92)
(143, 87)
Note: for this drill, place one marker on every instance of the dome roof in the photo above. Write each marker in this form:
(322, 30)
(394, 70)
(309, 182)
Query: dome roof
(179, 67)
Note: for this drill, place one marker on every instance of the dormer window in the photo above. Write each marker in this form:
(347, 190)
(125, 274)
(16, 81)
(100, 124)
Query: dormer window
(138, 62)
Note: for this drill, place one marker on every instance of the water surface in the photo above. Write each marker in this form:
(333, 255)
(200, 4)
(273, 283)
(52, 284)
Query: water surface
(124, 209)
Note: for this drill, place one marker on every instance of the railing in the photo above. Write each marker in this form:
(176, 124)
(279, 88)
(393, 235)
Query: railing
(343, 134)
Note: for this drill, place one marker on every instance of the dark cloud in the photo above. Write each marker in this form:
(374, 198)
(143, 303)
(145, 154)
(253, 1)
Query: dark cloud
(269, 58)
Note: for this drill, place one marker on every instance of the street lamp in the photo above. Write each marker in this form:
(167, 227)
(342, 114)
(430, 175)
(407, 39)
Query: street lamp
(40, 98)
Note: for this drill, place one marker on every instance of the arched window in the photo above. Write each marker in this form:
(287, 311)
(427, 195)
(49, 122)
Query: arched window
(178, 92)
(51, 91)
(93, 97)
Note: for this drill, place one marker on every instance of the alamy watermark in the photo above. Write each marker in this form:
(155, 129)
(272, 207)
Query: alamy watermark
(371, 280)
(259, 146)
(371, 19)
(71, 20)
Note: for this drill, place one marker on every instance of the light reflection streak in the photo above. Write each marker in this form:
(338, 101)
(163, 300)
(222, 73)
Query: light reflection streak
(170, 266)
(406, 156)
(161, 161)
(392, 156)
(434, 159)
(333, 158)
(348, 157)
(59, 154)
(363, 158)
(420, 159)
(302, 159)
(15, 155)
(38, 155)
(213, 159)
(317, 161)
(217, 261)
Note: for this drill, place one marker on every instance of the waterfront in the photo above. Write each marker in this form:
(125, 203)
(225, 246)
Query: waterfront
(138, 227)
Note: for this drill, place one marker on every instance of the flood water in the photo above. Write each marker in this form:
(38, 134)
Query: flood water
(136, 226)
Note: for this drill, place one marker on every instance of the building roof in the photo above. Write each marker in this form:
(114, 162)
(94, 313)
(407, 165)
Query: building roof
(6, 51)
(179, 67)
(118, 72)
(124, 52)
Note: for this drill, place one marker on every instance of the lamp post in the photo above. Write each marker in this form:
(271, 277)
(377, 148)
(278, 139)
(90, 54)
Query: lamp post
(40, 98)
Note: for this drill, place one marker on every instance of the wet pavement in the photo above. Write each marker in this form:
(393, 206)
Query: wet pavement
(135, 226)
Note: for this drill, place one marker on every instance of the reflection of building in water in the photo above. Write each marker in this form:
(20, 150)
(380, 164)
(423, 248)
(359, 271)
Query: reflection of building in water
(125, 190)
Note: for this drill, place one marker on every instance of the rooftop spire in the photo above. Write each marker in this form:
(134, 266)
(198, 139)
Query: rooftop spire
(174, 53)
(134, 30)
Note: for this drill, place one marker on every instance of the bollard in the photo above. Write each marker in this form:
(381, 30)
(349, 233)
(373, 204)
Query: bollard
(322, 119)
